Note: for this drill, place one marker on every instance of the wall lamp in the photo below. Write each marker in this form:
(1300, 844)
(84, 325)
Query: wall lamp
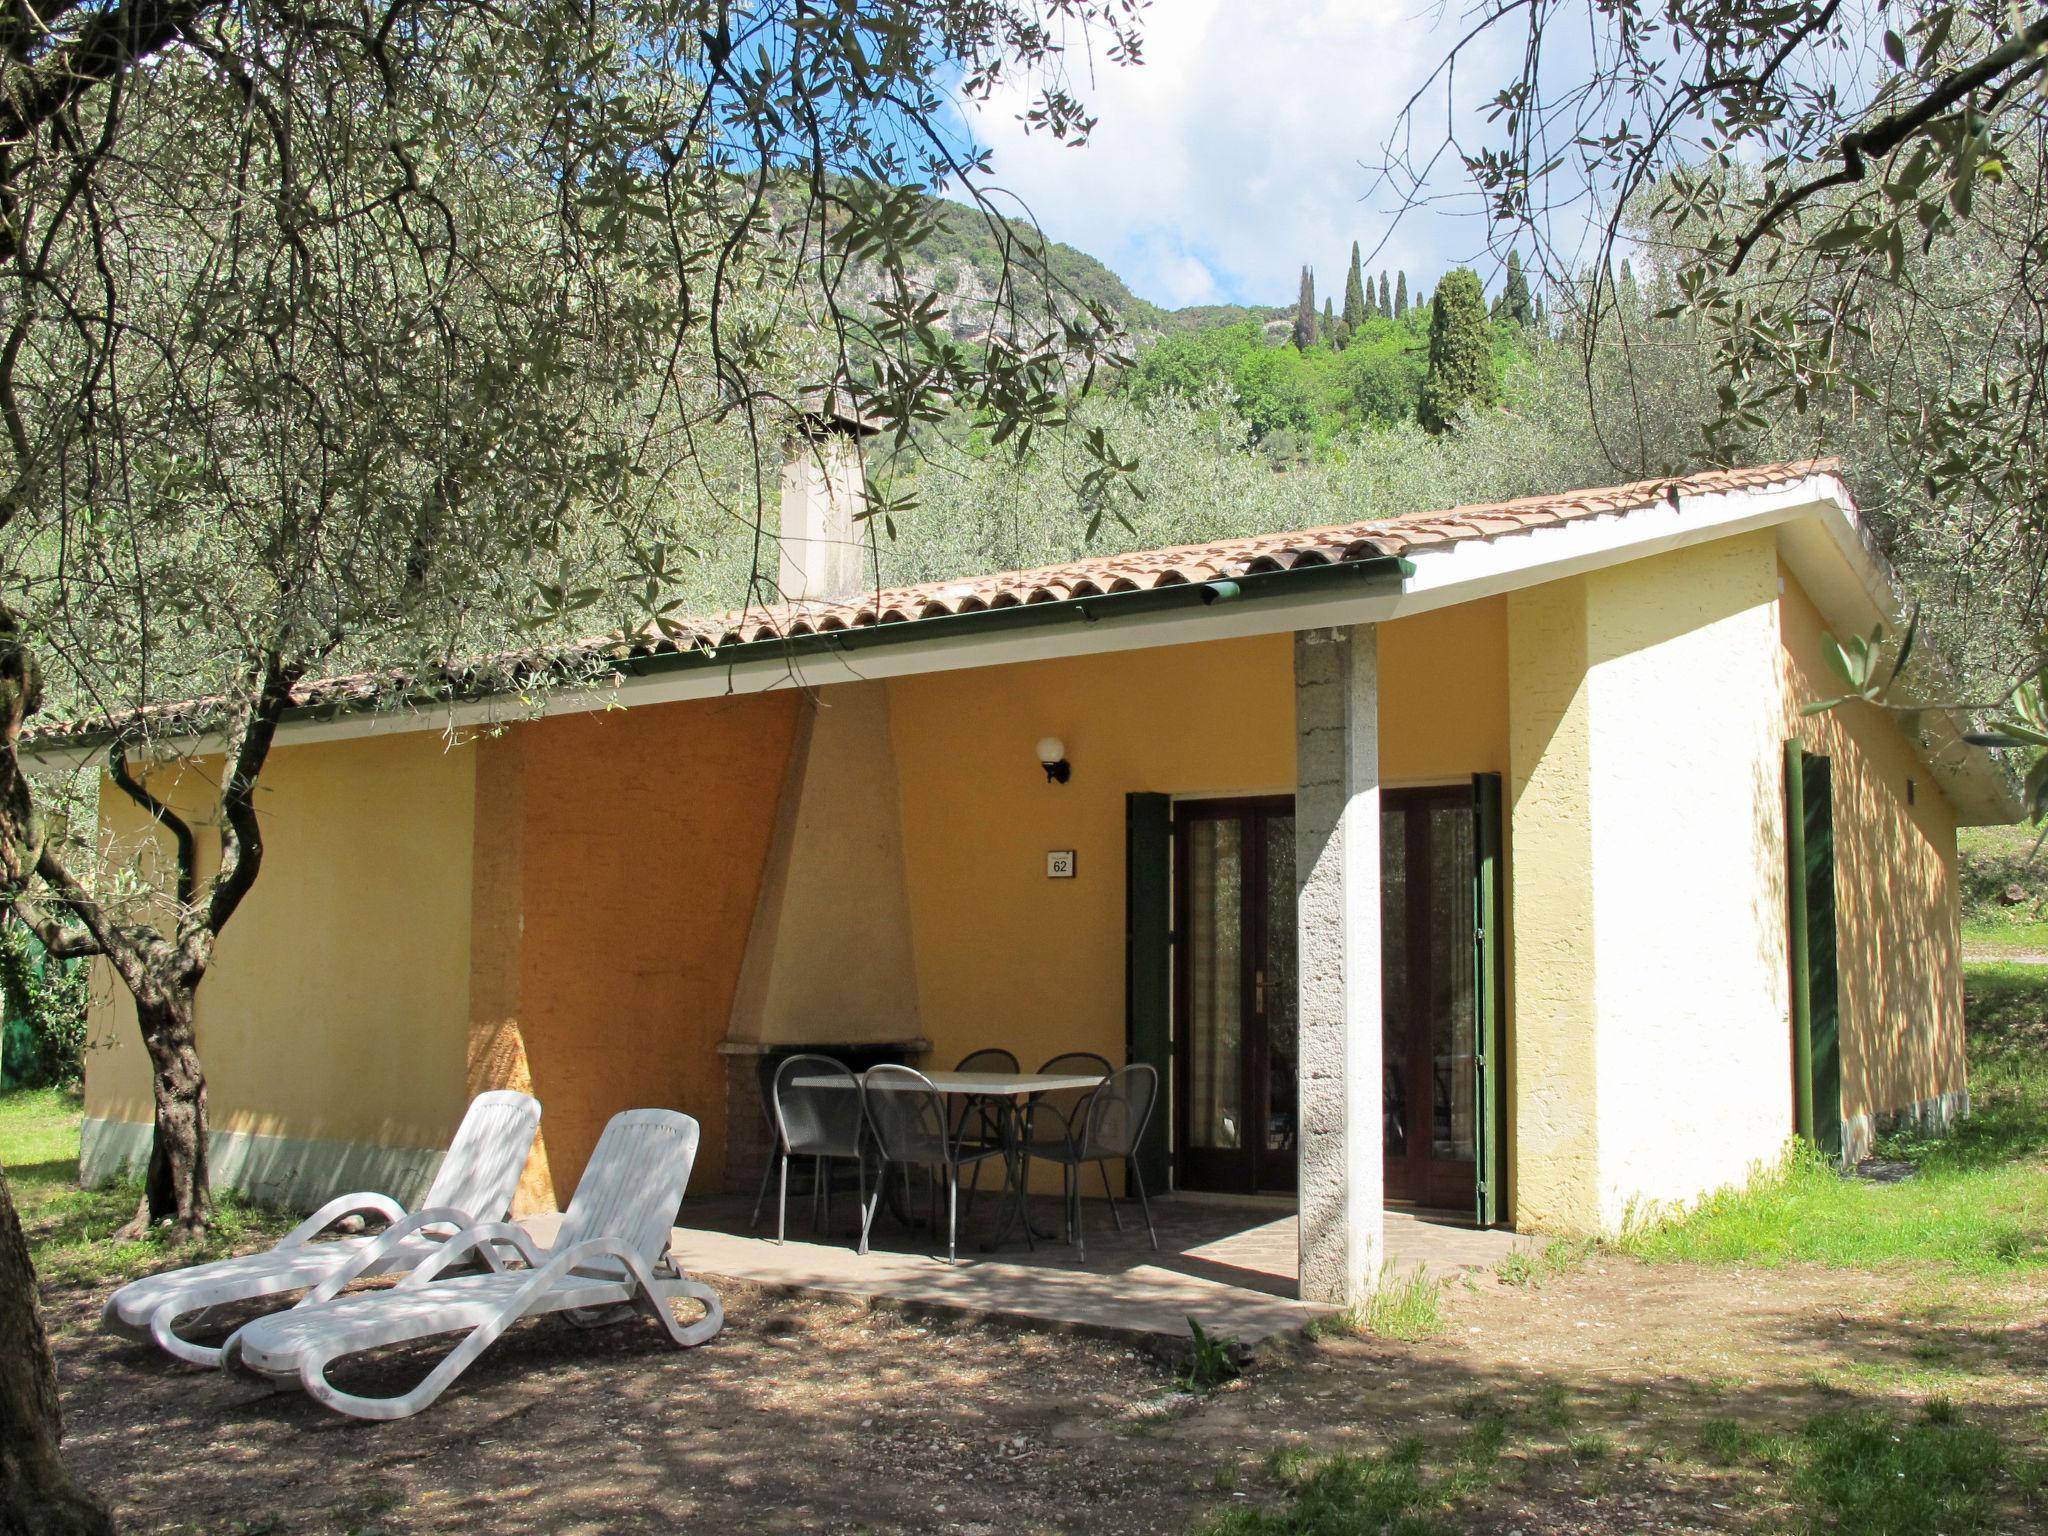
(1052, 757)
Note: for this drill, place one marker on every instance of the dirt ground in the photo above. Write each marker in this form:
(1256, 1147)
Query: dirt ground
(808, 1416)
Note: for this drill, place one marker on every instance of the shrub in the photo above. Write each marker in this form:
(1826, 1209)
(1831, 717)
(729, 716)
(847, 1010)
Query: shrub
(45, 1002)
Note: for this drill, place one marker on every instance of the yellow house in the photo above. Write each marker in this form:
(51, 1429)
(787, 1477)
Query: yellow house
(1480, 860)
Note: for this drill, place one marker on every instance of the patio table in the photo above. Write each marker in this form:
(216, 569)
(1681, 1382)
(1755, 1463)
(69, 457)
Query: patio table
(1013, 1090)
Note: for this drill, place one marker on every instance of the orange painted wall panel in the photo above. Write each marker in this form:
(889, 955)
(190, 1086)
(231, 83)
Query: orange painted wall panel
(634, 841)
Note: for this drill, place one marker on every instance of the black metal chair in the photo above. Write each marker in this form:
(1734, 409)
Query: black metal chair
(1112, 1124)
(979, 1119)
(821, 1123)
(1055, 1115)
(907, 1117)
(987, 1113)
(989, 1059)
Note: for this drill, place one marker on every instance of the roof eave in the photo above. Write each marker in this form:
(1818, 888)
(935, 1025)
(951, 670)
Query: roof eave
(633, 671)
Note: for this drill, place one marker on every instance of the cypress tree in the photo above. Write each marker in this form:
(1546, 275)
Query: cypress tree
(1386, 298)
(1460, 362)
(1328, 330)
(1305, 313)
(1514, 297)
(1400, 294)
(1354, 294)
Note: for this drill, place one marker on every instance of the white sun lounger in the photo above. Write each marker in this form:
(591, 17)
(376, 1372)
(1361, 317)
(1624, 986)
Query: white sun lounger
(610, 1256)
(475, 1183)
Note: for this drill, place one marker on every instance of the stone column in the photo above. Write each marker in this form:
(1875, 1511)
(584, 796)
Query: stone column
(1337, 837)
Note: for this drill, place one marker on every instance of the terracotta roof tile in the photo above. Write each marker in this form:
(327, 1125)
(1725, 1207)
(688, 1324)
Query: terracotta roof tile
(1143, 570)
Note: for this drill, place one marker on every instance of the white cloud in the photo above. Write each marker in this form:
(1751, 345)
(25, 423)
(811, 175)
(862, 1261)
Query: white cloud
(1238, 150)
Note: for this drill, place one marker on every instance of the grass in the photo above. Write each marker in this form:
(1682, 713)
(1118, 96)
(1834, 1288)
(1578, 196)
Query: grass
(1868, 1469)
(1560, 1255)
(1974, 1203)
(1406, 1307)
(1994, 860)
(1400, 1491)
(2030, 938)
(70, 1230)
(1388, 1493)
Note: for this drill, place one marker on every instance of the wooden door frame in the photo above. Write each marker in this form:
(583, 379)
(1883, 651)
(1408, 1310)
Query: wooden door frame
(1813, 940)
(1424, 1180)
(1254, 1062)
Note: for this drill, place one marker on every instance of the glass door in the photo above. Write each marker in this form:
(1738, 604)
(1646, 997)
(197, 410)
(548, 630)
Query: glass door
(1429, 1018)
(1236, 1004)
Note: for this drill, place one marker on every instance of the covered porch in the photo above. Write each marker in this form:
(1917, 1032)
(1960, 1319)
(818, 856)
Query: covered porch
(1199, 890)
(1231, 1265)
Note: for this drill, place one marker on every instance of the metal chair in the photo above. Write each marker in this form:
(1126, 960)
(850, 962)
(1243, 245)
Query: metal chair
(1112, 1126)
(1055, 1116)
(821, 1123)
(907, 1117)
(989, 1059)
(980, 1107)
(979, 1119)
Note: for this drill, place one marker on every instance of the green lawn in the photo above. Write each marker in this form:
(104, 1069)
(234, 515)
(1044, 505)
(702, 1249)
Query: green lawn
(1994, 861)
(38, 1137)
(1977, 1202)
(70, 1229)
(2019, 937)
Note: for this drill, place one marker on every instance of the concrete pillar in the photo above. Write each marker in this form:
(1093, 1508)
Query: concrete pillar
(1337, 842)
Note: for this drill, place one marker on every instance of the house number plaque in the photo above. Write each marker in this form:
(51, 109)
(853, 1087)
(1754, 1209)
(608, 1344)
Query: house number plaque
(1059, 864)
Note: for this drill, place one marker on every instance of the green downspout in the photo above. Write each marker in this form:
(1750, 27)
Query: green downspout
(1801, 956)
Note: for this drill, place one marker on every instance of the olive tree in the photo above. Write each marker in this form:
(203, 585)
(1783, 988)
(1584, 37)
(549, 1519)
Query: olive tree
(1844, 209)
(381, 334)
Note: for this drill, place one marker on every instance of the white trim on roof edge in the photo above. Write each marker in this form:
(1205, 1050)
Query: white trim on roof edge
(1821, 540)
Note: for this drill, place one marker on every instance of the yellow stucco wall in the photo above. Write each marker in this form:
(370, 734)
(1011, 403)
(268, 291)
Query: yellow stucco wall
(1650, 993)
(1554, 1164)
(1444, 694)
(564, 907)
(1897, 903)
(337, 1006)
(1006, 956)
(1691, 985)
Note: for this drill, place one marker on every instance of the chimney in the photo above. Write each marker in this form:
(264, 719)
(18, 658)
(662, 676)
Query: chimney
(824, 550)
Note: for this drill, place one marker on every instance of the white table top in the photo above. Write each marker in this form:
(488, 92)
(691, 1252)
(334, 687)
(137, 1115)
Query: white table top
(994, 1084)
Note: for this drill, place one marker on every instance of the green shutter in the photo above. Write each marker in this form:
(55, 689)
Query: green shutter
(1148, 962)
(1816, 992)
(1489, 999)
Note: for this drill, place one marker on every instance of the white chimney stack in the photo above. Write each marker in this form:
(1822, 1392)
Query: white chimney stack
(824, 552)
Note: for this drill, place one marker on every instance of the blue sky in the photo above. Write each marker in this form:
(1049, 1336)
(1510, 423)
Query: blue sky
(1241, 148)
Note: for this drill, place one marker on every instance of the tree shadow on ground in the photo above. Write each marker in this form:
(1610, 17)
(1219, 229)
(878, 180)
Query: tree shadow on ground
(811, 1415)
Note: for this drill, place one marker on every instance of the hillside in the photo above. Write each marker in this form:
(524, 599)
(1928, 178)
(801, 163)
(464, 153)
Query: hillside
(963, 259)
(1297, 403)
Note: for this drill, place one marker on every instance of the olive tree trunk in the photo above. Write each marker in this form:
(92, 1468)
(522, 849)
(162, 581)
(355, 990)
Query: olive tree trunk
(37, 1496)
(176, 1190)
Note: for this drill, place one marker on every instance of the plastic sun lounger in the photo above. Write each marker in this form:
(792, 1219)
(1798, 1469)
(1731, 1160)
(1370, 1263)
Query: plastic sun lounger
(610, 1257)
(475, 1183)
